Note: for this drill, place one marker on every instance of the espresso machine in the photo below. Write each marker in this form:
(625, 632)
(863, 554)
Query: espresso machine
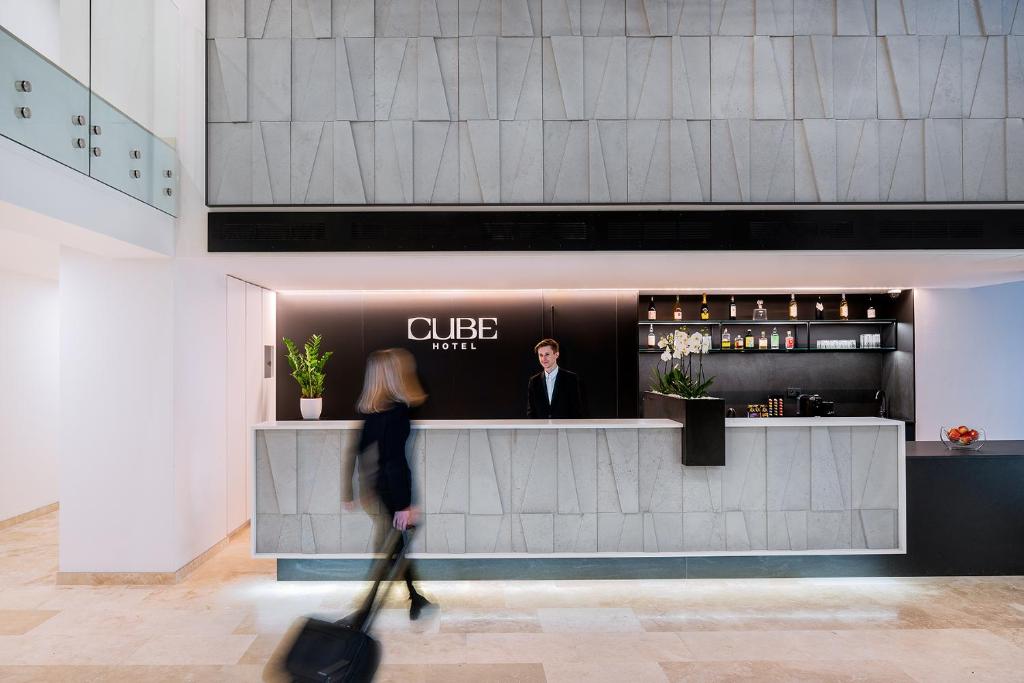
(813, 405)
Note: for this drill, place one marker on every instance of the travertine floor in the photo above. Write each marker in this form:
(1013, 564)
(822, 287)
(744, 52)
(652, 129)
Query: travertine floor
(223, 622)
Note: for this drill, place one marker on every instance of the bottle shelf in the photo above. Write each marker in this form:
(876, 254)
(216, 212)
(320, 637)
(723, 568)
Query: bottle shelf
(644, 349)
(740, 323)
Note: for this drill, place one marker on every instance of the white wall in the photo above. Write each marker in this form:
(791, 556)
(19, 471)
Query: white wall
(29, 386)
(969, 368)
(116, 457)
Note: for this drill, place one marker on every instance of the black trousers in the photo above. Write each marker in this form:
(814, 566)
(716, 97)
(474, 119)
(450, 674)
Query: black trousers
(408, 575)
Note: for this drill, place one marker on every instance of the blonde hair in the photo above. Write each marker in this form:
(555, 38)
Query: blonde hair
(390, 379)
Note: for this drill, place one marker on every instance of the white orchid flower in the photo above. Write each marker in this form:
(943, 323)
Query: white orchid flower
(666, 355)
(662, 343)
(679, 352)
(705, 344)
(695, 343)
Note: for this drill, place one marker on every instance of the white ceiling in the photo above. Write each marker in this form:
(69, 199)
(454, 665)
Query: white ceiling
(675, 271)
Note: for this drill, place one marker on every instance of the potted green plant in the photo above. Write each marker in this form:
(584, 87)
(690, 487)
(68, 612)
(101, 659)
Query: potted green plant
(679, 391)
(308, 370)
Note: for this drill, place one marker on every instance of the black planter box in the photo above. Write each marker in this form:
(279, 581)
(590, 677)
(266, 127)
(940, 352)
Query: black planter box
(703, 422)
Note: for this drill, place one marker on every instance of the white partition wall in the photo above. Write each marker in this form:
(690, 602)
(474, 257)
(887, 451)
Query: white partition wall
(250, 395)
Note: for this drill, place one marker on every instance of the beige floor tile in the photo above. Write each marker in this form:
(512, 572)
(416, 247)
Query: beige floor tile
(460, 673)
(15, 622)
(191, 650)
(604, 672)
(779, 671)
(459, 620)
(587, 620)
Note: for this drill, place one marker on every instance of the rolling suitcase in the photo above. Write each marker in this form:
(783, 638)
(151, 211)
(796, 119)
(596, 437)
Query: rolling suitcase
(341, 651)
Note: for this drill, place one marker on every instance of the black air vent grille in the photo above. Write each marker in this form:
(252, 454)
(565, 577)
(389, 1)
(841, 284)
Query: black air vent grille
(696, 231)
(664, 231)
(571, 231)
(500, 232)
(272, 233)
(841, 230)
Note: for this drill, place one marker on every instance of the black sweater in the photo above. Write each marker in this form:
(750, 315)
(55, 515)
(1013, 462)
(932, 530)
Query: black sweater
(390, 430)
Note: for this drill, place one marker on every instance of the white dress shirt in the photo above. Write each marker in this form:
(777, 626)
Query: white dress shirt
(549, 379)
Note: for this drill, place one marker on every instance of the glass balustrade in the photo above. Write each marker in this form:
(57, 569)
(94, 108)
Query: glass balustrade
(93, 85)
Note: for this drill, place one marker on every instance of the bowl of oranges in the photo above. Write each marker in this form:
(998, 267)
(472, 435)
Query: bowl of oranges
(962, 438)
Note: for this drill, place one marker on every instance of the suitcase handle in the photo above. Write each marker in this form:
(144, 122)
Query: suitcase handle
(386, 568)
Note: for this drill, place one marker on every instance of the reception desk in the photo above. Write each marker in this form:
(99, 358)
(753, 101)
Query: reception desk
(500, 489)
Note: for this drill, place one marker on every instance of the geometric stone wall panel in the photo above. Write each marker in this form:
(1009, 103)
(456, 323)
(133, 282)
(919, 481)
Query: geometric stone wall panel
(857, 174)
(562, 17)
(618, 471)
(828, 530)
(522, 161)
(489, 534)
(313, 80)
(649, 81)
(352, 18)
(603, 17)
(773, 78)
(353, 162)
(814, 17)
(875, 484)
(311, 18)
(831, 468)
(410, 18)
(607, 160)
(943, 160)
(704, 531)
(478, 78)
(875, 529)
(899, 75)
(533, 533)
(479, 165)
(787, 530)
(520, 96)
(815, 160)
(230, 163)
(490, 472)
(392, 162)
(312, 161)
(563, 77)
(855, 17)
(702, 489)
(520, 17)
(899, 17)
(575, 533)
(227, 72)
(732, 77)
(354, 73)
(744, 479)
(773, 17)
(660, 475)
(447, 474)
(620, 533)
(732, 17)
(813, 77)
(577, 471)
(941, 77)
(746, 530)
(984, 160)
(788, 452)
(435, 162)
(984, 77)
(691, 78)
(479, 18)
(771, 161)
(604, 74)
(271, 162)
(566, 161)
(901, 161)
(690, 153)
(854, 63)
(663, 532)
(226, 19)
(647, 173)
(270, 76)
(730, 160)
(695, 101)
(267, 18)
(534, 472)
(319, 472)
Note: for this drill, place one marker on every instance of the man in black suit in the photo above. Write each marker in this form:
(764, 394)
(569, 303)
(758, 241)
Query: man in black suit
(555, 393)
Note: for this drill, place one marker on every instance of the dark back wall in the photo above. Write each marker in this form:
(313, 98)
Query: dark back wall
(595, 329)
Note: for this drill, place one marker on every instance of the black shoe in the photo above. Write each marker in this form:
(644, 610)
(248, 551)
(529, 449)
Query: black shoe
(419, 603)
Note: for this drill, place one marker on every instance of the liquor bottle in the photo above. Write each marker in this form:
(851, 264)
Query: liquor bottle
(762, 343)
(705, 312)
(871, 309)
(760, 312)
(705, 344)
(726, 339)
(651, 340)
(792, 307)
(844, 309)
(748, 341)
(790, 340)
(652, 312)
(737, 342)
(775, 339)
(732, 308)
(819, 310)
(677, 310)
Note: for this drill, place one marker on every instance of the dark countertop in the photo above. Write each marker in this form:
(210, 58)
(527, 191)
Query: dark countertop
(936, 449)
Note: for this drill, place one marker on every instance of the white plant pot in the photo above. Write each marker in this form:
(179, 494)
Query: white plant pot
(311, 408)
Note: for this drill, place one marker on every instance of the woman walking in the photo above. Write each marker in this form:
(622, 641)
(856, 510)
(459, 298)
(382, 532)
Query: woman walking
(390, 390)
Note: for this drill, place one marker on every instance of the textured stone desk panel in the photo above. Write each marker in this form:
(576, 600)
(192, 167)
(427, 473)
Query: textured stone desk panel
(591, 491)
